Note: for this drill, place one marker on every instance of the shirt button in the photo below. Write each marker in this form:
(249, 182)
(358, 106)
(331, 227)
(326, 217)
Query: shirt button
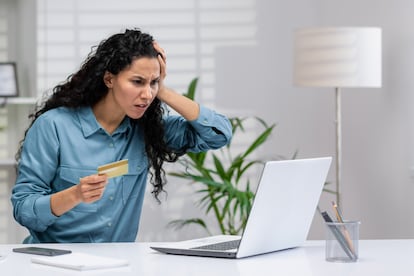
(111, 198)
(109, 224)
(111, 145)
(138, 168)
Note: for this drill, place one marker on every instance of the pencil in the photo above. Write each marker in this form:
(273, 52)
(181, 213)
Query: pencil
(344, 230)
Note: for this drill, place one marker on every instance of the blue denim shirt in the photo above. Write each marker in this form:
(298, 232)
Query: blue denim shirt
(64, 145)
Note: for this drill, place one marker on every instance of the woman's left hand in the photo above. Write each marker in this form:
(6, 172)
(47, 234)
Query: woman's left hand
(189, 109)
(162, 58)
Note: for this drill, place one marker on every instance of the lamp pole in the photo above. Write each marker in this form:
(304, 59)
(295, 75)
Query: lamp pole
(338, 144)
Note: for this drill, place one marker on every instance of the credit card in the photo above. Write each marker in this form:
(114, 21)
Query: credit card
(114, 169)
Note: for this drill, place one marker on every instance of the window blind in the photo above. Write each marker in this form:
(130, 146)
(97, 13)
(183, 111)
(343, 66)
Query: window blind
(189, 30)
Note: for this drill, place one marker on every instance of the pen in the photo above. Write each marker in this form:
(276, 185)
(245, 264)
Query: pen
(338, 235)
(345, 232)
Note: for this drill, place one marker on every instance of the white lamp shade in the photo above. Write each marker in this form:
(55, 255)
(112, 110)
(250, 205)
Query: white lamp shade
(337, 57)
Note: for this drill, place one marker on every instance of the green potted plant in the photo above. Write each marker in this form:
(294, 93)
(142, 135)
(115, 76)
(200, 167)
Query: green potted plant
(222, 179)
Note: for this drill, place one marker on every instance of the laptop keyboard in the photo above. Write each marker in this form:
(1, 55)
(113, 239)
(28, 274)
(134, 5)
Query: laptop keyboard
(228, 245)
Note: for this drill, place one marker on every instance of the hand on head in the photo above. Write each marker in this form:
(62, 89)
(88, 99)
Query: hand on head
(162, 58)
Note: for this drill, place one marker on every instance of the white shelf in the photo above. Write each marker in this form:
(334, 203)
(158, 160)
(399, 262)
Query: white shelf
(21, 100)
(7, 162)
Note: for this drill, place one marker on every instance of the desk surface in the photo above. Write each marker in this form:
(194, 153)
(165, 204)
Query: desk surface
(377, 257)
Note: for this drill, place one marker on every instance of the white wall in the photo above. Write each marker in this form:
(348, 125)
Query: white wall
(378, 152)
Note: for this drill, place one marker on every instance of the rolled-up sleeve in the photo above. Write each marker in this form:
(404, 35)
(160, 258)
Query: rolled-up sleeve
(31, 193)
(210, 130)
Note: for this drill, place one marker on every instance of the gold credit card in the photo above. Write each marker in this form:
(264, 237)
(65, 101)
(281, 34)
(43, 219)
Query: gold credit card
(114, 169)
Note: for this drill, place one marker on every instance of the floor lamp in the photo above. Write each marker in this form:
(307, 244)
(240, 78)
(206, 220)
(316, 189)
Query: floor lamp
(337, 57)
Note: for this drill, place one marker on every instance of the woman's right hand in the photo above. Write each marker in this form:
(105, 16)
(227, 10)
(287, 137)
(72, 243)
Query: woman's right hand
(91, 188)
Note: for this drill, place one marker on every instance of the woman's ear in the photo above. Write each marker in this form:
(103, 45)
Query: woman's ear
(107, 78)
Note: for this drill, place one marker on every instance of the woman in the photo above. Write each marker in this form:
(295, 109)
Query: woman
(110, 110)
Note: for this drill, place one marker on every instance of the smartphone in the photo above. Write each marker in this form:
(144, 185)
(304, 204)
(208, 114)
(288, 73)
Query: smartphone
(41, 251)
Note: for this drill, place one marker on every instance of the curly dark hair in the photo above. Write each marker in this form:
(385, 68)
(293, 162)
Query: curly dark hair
(86, 87)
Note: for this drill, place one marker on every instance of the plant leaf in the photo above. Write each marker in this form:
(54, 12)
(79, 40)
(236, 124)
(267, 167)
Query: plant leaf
(259, 140)
(180, 223)
(191, 89)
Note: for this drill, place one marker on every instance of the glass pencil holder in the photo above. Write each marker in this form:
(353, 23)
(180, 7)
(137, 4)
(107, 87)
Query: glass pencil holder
(342, 241)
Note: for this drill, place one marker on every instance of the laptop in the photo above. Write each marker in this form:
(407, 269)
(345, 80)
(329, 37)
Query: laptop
(280, 218)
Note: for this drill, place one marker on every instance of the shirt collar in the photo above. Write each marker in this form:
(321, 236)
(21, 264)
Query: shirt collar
(90, 125)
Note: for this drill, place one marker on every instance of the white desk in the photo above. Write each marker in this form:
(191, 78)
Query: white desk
(377, 257)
